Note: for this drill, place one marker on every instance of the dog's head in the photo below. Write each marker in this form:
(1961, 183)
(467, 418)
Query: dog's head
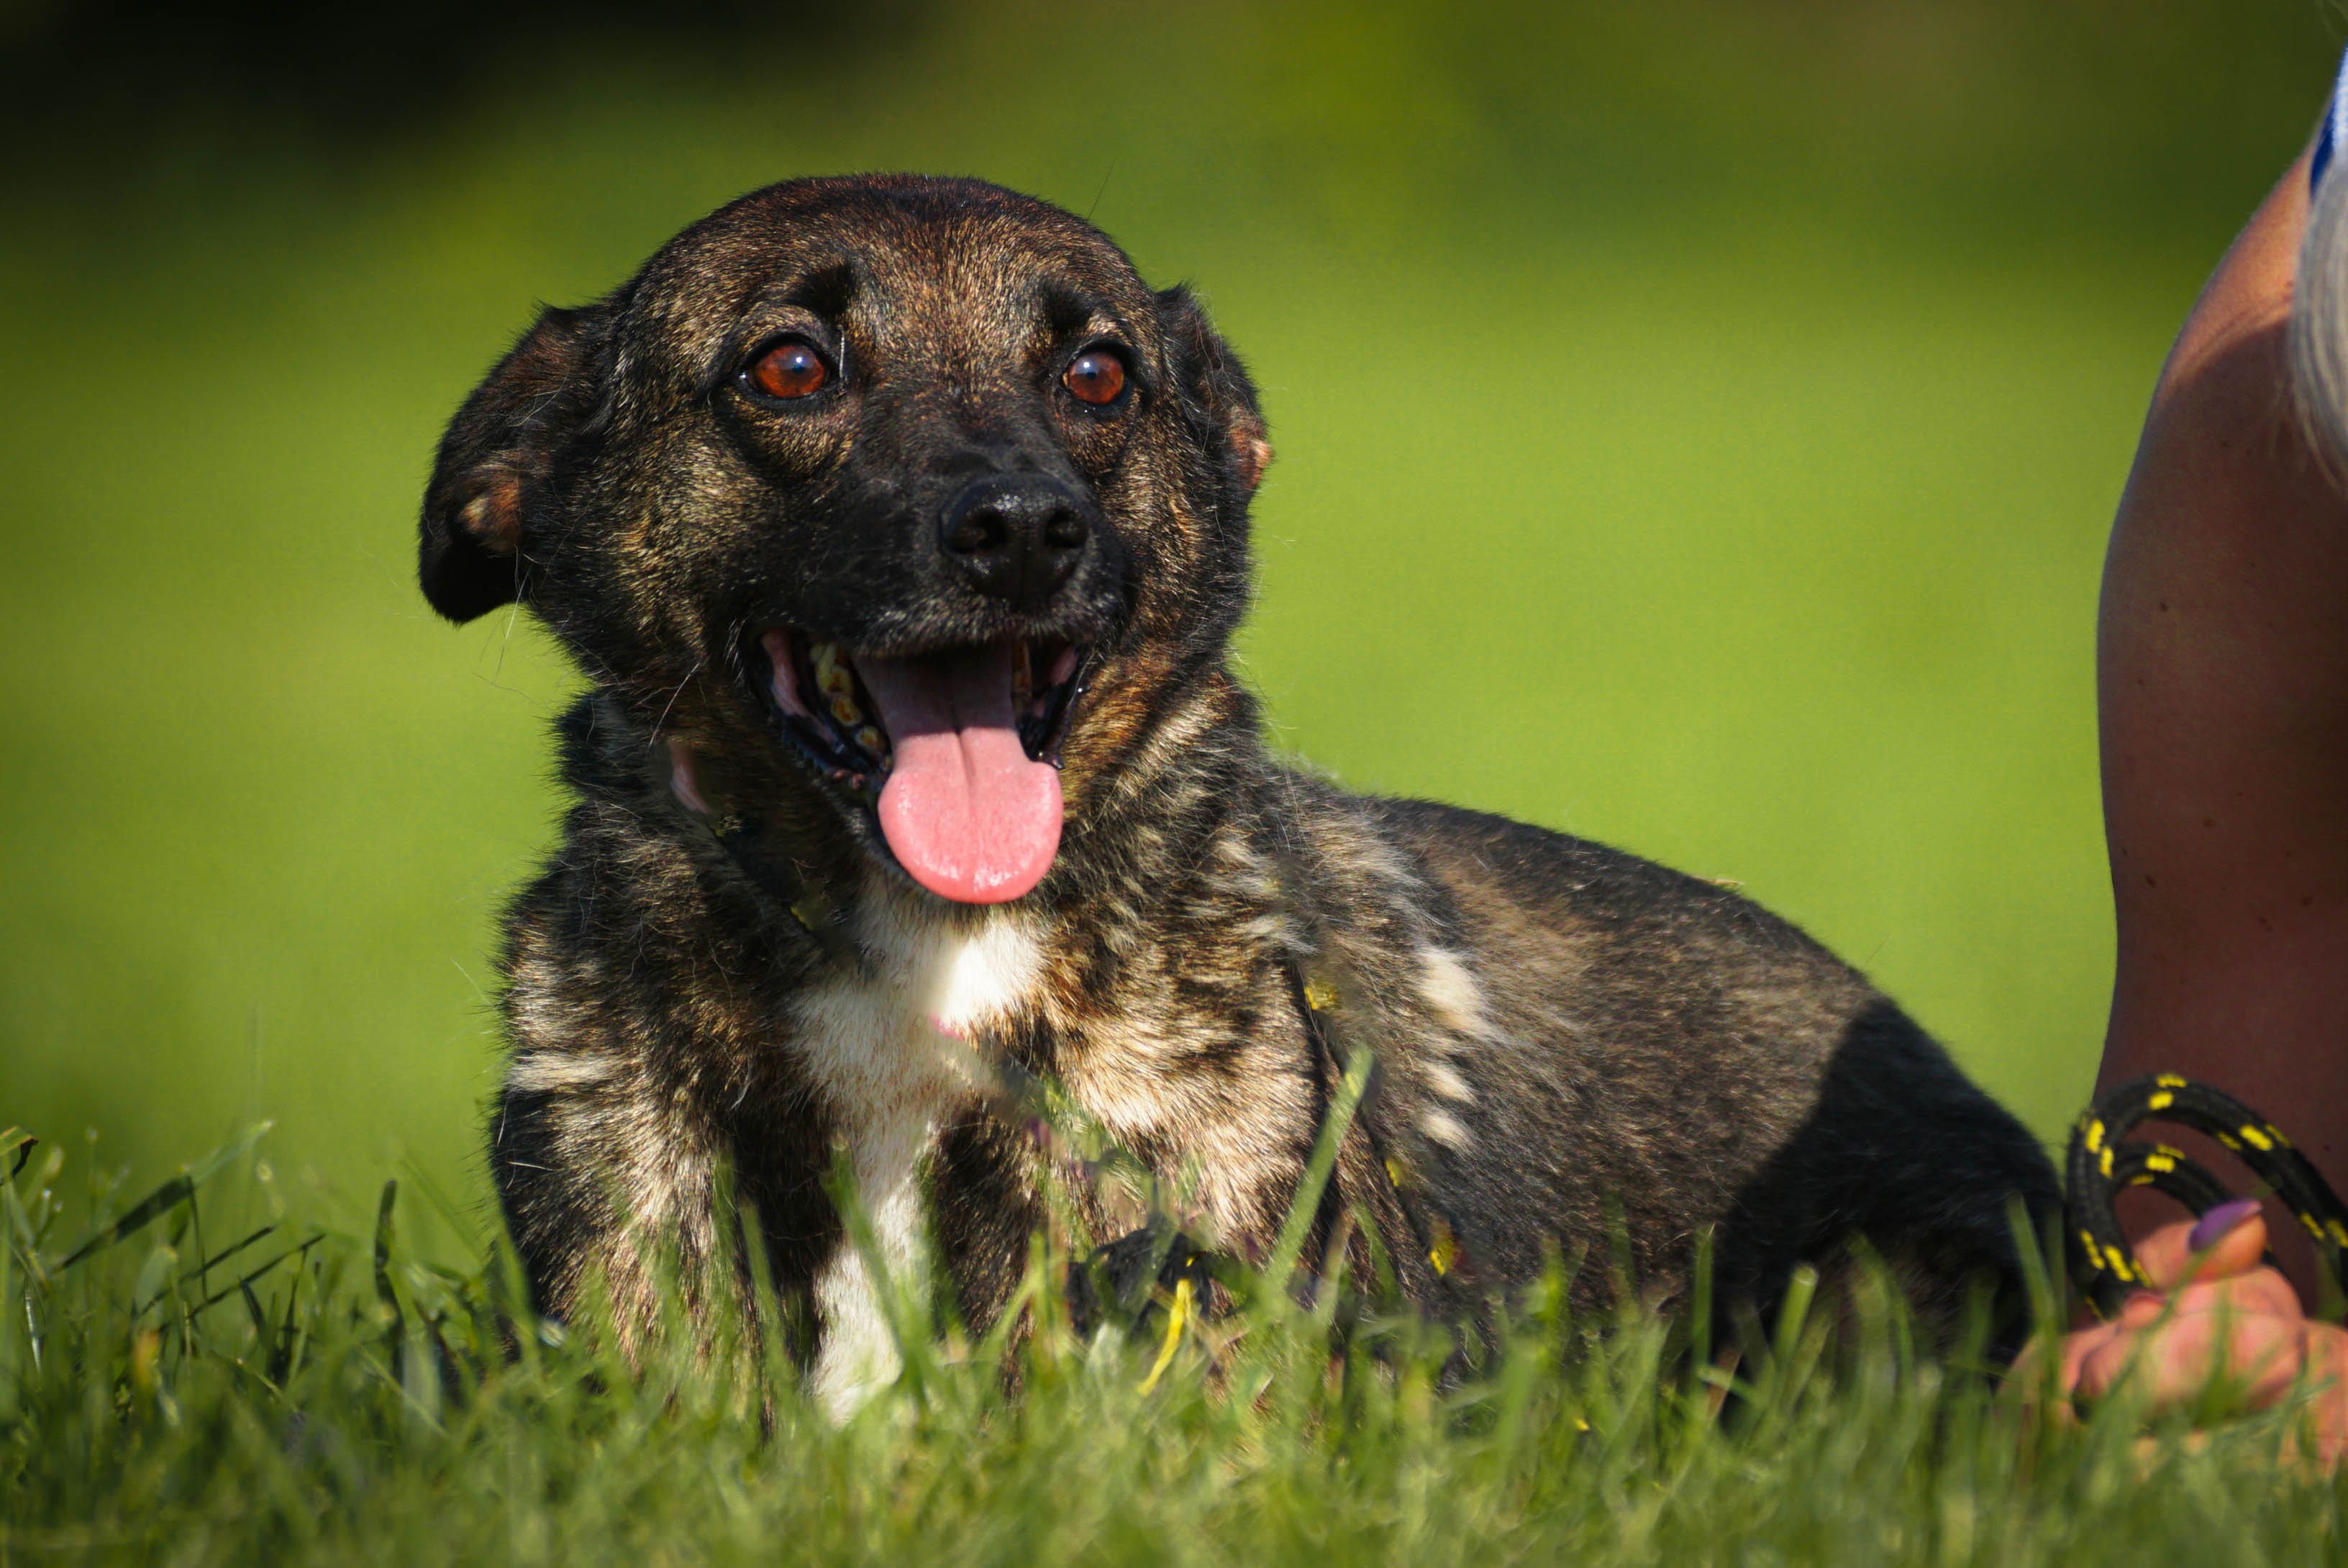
(871, 497)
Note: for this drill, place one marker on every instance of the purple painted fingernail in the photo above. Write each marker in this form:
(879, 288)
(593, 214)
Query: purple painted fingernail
(2212, 1227)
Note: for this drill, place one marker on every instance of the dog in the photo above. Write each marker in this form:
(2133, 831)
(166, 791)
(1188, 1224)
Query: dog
(900, 530)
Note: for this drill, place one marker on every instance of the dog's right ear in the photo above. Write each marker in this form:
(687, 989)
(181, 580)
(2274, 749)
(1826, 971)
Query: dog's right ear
(499, 452)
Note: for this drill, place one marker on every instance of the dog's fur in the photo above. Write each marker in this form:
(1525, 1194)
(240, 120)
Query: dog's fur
(724, 970)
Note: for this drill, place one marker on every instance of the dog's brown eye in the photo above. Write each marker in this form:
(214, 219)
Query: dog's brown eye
(1095, 377)
(789, 370)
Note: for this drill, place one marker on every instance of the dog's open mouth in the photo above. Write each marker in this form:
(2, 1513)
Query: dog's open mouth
(956, 752)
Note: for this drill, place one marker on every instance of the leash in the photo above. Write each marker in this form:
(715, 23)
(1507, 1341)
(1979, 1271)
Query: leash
(2101, 1164)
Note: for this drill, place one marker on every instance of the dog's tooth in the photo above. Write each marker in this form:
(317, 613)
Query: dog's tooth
(873, 741)
(831, 675)
(845, 710)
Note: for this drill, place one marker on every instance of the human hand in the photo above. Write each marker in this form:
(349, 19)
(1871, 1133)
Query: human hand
(2216, 1311)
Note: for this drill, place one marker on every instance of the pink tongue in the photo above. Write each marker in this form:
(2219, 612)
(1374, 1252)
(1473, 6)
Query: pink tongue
(965, 812)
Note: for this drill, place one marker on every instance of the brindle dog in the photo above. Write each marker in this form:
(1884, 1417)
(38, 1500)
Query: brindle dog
(901, 532)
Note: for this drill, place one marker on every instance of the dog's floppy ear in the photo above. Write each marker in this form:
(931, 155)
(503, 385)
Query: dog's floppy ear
(1218, 397)
(501, 446)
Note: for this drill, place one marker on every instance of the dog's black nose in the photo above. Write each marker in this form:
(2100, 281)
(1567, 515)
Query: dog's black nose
(1015, 536)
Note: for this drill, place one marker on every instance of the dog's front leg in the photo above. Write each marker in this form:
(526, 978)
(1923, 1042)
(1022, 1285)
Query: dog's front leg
(612, 1196)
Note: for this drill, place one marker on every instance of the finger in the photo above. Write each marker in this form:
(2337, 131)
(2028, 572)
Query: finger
(2262, 1292)
(2327, 1366)
(2261, 1355)
(2229, 1239)
(2179, 1362)
(2077, 1350)
(2070, 1351)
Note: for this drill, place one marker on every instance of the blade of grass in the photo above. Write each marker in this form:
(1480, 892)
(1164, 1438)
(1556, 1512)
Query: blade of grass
(1307, 1201)
(166, 1197)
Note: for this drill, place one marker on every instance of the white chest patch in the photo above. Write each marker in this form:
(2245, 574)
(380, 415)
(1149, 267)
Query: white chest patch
(889, 1049)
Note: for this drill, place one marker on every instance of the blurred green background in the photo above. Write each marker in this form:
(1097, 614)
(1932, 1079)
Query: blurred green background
(1698, 422)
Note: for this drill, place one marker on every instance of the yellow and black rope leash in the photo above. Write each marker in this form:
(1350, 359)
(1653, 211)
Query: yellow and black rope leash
(2101, 1163)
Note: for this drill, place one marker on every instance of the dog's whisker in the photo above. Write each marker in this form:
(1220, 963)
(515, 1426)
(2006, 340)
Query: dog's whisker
(670, 706)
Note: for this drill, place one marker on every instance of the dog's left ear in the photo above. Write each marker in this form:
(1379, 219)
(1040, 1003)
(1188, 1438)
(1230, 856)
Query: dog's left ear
(1217, 396)
(498, 454)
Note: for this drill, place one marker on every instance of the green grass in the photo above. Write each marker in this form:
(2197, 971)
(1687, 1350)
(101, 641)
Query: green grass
(179, 1384)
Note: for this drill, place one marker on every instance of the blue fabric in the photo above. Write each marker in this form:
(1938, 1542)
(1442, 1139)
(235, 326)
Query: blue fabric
(2335, 127)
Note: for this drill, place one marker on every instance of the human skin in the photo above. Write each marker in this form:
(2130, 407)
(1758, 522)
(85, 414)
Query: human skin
(2222, 658)
(2217, 1311)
